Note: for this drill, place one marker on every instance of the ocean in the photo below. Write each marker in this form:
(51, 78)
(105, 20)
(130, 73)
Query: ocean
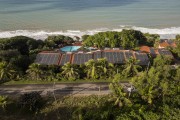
(40, 18)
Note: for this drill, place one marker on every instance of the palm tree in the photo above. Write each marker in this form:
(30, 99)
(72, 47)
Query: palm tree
(70, 71)
(131, 67)
(3, 101)
(148, 85)
(104, 67)
(91, 69)
(6, 71)
(119, 95)
(35, 71)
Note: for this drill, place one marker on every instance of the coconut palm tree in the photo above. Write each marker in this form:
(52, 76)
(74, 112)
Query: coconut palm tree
(131, 67)
(92, 69)
(6, 71)
(104, 67)
(102, 64)
(35, 71)
(3, 101)
(70, 71)
(119, 95)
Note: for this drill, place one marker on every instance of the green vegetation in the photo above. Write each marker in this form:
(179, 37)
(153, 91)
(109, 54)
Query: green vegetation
(131, 67)
(6, 71)
(18, 54)
(91, 71)
(58, 41)
(156, 95)
(3, 102)
(70, 71)
(152, 39)
(176, 50)
(178, 37)
(128, 39)
(32, 102)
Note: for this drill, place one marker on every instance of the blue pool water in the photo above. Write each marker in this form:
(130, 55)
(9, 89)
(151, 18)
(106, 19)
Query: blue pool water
(70, 48)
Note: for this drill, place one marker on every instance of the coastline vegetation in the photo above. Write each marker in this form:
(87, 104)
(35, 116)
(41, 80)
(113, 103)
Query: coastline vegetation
(18, 54)
(157, 87)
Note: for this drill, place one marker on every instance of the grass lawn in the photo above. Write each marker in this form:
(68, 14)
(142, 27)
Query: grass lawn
(18, 82)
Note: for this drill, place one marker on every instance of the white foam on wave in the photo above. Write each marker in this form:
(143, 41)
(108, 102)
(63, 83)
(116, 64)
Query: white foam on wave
(41, 34)
(165, 33)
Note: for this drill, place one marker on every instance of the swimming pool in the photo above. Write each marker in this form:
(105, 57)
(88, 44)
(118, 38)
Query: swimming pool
(70, 48)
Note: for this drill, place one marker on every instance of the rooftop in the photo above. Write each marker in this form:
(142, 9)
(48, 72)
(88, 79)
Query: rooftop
(113, 56)
(167, 43)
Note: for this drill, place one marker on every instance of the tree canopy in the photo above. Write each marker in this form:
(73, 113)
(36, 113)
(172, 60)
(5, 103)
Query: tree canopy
(21, 43)
(55, 41)
(151, 39)
(178, 37)
(128, 39)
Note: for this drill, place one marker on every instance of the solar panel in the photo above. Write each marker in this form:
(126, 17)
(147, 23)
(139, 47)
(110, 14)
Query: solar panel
(55, 59)
(87, 57)
(49, 61)
(167, 52)
(65, 58)
(48, 58)
(121, 57)
(41, 58)
(128, 54)
(81, 58)
(117, 57)
(114, 57)
(97, 55)
(143, 58)
(38, 58)
(109, 56)
(76, 59)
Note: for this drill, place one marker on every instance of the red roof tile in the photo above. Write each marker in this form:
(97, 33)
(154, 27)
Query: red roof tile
(166, 44)
(145, 49)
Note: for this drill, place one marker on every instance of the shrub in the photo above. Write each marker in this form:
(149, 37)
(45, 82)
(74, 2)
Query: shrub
(3, 101)
(31, 101)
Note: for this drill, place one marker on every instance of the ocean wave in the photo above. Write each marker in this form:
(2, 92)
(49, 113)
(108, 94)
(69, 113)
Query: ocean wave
(168, 33)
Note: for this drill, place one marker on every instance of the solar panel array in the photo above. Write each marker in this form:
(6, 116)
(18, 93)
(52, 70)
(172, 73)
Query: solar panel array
(165, 52)
(143, 58)
(120, 57)
(108, 56)
(97, 55)
(81, 58)
(128, 54)
(114, 57)
(65, 58)
(48, 58)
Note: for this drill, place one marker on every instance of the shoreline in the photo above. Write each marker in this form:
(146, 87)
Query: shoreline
(165, 33)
